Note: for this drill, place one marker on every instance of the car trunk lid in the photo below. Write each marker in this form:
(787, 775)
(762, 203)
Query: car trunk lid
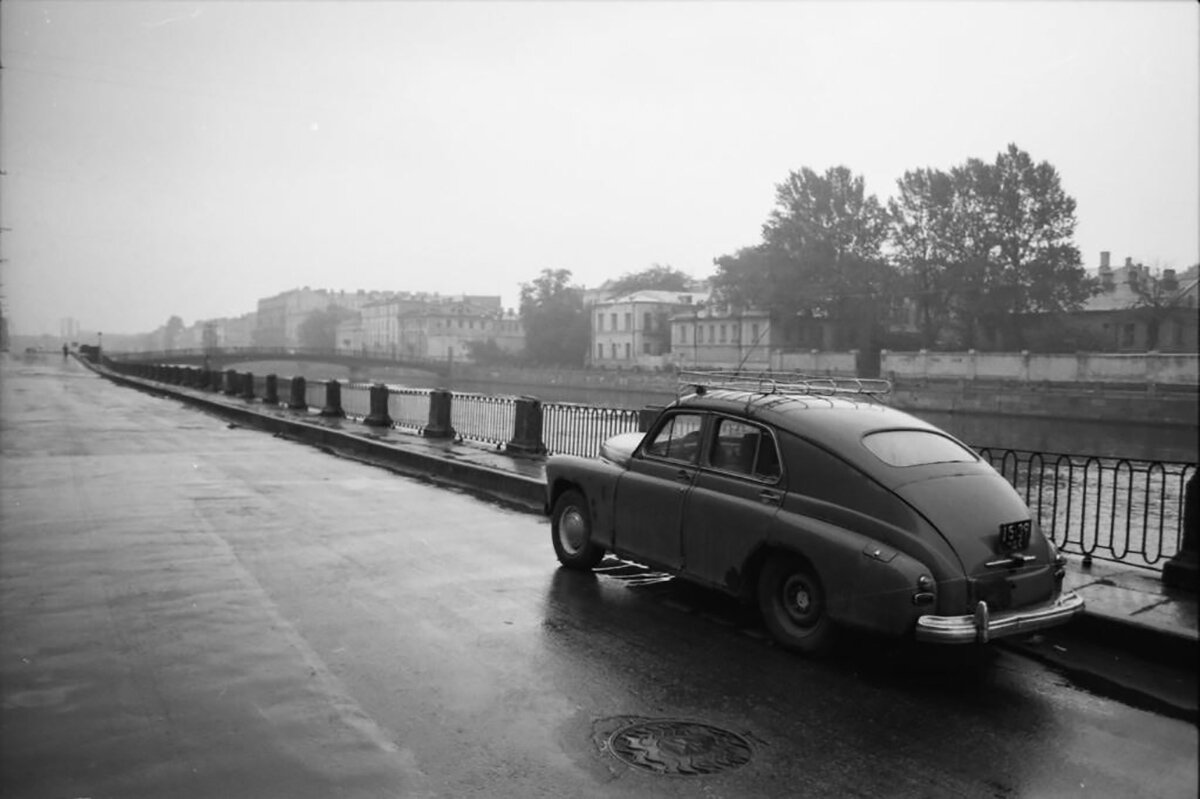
(982, 517)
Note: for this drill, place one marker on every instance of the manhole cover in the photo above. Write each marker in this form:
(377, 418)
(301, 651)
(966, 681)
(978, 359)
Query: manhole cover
(679, 747)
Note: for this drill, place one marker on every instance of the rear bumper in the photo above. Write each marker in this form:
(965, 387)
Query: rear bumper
(983, 625)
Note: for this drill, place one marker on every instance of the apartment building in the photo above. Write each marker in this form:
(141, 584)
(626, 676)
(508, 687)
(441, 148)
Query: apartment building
(279, 317)
(447, 330)
(721, 337)
(634, 329)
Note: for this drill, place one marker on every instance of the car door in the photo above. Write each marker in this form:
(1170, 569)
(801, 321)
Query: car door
(651, 493)
(735, 497)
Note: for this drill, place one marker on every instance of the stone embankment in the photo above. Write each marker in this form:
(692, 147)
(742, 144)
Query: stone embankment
(1173, 405)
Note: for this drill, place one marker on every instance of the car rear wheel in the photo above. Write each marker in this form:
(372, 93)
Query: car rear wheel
(571, 532)
(792, 602)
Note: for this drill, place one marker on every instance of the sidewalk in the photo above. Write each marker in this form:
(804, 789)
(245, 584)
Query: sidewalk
(1137, 639)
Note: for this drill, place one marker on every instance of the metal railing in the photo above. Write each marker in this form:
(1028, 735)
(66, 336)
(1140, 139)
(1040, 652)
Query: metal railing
(572, 429)
(356, 400)
(1126, 511)
(1120, 510)
(408, 407)
(483, 417)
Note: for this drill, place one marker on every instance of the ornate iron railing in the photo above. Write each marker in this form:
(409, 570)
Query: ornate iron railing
(483, 417)
(571, 429)
(1127, 511)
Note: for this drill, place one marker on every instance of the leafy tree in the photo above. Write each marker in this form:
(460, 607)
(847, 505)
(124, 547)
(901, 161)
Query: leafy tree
(488, 353)
(985, 243)
(923, 222)
(1013, 247)
(318, 331)
(556, 327)
(171, 332)
(821, 256)
(655, 278)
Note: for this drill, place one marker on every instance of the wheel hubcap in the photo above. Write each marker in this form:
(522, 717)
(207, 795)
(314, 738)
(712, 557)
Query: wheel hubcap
(798, 601)
(572, 530)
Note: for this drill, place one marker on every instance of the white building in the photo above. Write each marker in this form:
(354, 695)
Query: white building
(634, 329)
(712, 337)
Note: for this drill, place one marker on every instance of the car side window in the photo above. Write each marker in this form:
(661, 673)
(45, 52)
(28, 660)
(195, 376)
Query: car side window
(678, 439)
(745, 449)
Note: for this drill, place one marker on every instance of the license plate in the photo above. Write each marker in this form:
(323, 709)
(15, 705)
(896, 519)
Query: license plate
(1015, 535)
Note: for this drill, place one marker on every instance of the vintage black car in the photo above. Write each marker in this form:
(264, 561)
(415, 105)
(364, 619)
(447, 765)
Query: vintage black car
(821, 503)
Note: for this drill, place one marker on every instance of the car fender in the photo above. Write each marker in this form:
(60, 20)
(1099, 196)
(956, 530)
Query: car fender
(594, 478)
(868, 584)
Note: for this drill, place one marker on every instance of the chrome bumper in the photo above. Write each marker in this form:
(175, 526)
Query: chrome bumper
(983, 625)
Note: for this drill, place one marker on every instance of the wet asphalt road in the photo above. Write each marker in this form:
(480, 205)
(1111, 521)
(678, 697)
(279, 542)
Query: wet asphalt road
(193, 610)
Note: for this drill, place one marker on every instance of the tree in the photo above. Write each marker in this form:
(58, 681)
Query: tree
(655, 278)
(556, 327)
(1011, 245)
(984, 243)
(921, 237)
(488, 353)
(821, 256)
(318, 331)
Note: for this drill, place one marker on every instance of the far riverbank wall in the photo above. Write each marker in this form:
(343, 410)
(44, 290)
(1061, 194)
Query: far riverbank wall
(1113, 420)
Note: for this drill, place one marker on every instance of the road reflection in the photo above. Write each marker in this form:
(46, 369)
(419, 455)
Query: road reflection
(632, 643)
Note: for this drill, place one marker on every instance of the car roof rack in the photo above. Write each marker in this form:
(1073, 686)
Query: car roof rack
(784, 383)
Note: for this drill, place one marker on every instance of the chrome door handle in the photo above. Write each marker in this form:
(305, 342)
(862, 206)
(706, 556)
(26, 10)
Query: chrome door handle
(768, 497)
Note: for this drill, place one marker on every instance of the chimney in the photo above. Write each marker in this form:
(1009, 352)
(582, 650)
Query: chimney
(1169, 281)
(1128, 262)
(1104, 256)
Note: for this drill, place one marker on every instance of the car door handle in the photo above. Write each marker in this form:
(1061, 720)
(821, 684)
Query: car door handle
(683, 476)
(769, 497)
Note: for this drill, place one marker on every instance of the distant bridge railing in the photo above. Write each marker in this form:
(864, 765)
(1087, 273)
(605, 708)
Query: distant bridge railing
(220, 356)
(1120, 510)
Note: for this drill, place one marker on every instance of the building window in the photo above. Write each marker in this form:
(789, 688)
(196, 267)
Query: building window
(647, 321)
(1127, 336)
(722, 334)
(754, 332)
(613, 348)
(600, 322)
(682, 334)
(645, 347)
(613, 319)
(628, 318)
(600, 352)
(712, 333)
(627, 350)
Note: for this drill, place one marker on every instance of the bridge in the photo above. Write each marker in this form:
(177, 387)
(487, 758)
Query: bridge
(227, 357)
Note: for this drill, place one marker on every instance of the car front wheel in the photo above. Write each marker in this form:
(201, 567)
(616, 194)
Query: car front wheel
(792, 602)
(571, 532)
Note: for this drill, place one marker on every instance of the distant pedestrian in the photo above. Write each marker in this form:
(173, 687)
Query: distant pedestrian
(64, 351)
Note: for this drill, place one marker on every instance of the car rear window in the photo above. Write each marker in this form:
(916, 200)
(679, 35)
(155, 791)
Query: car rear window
(915, 448)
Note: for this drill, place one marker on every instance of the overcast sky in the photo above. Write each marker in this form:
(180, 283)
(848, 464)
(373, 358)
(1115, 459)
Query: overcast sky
(179, 158)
